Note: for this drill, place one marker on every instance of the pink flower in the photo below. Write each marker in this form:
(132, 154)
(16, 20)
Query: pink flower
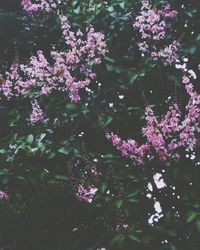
(3, 195)
(29, 6)
(42, 5)
(70, 71)
(37, 114)
(95, 172)
(86, 193)
(153, 25)
(165, 135)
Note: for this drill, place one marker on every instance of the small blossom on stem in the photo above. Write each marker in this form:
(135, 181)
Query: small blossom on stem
(37, 114)
(86, 193)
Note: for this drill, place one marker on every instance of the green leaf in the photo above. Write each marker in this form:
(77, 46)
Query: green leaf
(122, 5)
(77, 10)
(51, 155)
(62, 178)
(64, 150)
(133, 200)
(104, 187)
(42, 136)
(132, 237)
(172, 247)
(109, 59)
(197, 224)
(133, 194)
(71, 106)
(30, 139)
(192, 50)
(2, 151)
(118, 240)
(109, 120)
(110, 9)
(119, 203)
(190, 216)
(132, 76)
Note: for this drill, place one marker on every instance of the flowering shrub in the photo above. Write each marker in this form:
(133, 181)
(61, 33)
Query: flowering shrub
(71, 71)
(64, 186)
(167, 135)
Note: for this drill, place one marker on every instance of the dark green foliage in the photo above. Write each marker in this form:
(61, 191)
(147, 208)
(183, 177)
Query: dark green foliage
(37, 162)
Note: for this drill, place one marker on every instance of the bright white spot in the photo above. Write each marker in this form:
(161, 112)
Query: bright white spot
(150, 187)
(111, 105)
(181, 66)
(81, 134)
(88, 90)
(157, 207)
(192, 74)
(159, 181)
(149, 196)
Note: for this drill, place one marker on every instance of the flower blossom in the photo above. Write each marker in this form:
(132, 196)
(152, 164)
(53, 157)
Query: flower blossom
(3, 195)
(86, 193)
(72, 69)
(42, 5)
(153, 25)
(168, 135)
(37, 114)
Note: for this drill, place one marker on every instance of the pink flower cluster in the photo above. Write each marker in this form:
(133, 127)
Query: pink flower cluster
(153, 25)
(166, 136)
(130, 148)
(86, 193)
(37, 114)
(42, 5)
(71, 71)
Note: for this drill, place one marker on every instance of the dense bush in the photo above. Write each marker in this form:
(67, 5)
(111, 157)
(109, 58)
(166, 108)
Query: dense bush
(63, 184)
